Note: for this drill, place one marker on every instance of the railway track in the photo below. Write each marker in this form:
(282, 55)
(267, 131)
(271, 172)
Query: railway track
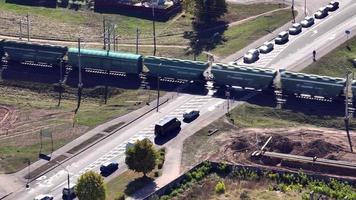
(309, 160)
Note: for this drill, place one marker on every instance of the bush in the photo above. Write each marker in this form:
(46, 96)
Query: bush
(156, 174)
(220, 188)
(164, 197)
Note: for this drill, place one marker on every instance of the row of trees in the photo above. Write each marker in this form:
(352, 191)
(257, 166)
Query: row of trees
(141, 157)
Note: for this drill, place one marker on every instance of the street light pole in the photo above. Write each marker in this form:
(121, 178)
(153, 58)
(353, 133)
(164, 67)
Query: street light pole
(68, 178)
(305, 8)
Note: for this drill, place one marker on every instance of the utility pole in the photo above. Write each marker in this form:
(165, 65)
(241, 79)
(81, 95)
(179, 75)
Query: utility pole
(293, 11)
(114, 36)
(80, 84)
(28, 27)
(104, 26)
(347, 116)
(109, 35)
(137, 33)
(154, 28)
(60, 81)
(158, 80)
(21, 29)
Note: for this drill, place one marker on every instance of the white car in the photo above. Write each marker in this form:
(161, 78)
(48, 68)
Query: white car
(295, 29)
(251, 56)
(307, 22)
(44, 197)
(282, 37)
(190, 114)
(266, 47)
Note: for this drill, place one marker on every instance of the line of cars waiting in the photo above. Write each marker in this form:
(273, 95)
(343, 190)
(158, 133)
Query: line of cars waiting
(253, 55)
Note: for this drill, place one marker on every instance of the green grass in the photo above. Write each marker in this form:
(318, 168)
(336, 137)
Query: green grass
(170, 32)
(14, 158)
(117, 186)
(336, 63)
(237, 37)
(53, 15)
(253, 116)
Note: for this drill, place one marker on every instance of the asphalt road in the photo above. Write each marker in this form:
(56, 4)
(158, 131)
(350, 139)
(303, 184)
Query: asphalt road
(113, 148)
(323, 36)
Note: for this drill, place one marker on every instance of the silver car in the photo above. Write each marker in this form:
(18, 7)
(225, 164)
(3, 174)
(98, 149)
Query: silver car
(266, 47)
(282, 38)
(251, 56)
(295, 29)
(307, 22)
(321, 13)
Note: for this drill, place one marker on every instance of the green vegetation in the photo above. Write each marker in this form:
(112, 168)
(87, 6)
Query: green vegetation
(337, 62)
(141, 157)
(90, 186)
(207, 182)
(15, 158)
(130, 181)
(85, 143)
(220, 188)
(237, 37)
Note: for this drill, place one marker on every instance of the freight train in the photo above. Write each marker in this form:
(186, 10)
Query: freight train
(246, 77)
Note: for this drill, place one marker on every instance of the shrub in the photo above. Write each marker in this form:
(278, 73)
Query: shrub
(164, 197)
(156, 174)
(220, 188)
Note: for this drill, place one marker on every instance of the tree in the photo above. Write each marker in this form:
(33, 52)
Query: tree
(91, 186)
(141, 157)
(205, 11)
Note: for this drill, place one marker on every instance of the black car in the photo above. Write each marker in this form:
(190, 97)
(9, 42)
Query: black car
(332, 6)
(108, 168)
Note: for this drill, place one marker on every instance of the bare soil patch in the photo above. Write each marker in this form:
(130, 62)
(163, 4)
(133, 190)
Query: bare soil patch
(237, 146)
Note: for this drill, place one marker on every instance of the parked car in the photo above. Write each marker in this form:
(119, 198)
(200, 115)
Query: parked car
(295, 29)
(190, 115)
(44, 197)
(108, 168)
(307, 22)
(251, 56)
(321, 13)
(332, 6)
(266, 47)
(69, 193)
(282, 38)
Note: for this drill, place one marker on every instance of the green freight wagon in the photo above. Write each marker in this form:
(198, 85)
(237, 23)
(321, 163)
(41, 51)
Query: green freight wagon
(314, 85)
(105, 60)
(243, 76)
(21, 51)
(353, 89)
(175, 68)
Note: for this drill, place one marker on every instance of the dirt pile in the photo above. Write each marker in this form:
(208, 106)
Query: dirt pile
(321, 148)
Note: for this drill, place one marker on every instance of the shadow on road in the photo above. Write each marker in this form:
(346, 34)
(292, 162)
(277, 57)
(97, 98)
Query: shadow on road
(161, 140)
